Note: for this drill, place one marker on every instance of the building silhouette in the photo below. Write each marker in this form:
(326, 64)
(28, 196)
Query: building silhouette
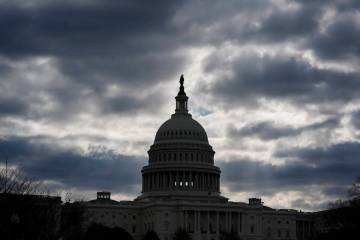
(181, 190)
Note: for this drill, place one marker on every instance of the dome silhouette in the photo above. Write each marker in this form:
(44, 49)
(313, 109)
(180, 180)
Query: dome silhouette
(179, 128)
(181, 160)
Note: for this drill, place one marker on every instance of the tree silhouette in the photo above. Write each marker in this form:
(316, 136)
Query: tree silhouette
(151, 235)
(230, 236)
(14, 181)
(97, 231)
(342, 220)
(72, 216)
(181, 234)
(27, 211)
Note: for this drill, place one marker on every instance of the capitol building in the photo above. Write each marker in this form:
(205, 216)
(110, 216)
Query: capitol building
(181, 190)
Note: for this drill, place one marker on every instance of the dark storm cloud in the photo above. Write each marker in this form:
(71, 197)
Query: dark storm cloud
(335, 191)
(269, 131)
(336, 166)
(263, 130)
(340, 41)
(281, 77)
(96, 170)
(129, 104)
(136, 44)
(264, 22)
(12, 107)
(96, 44)
(355, 119)
(345, 154)
(74, 30)
(109, 40)
(283, 25)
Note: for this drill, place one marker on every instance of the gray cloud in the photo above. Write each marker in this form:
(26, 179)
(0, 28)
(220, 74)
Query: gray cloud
(336, 166)
(99, 169)
(355, 119)
(341, 40)
(284, 25)
(12, 107)
(281, 77)
(94, 45)
(269, 131)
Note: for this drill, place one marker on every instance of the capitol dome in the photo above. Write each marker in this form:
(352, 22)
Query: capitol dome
(181, 160)
(181, 127)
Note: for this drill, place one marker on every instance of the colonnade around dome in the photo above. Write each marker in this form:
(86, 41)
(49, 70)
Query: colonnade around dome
(181, 181)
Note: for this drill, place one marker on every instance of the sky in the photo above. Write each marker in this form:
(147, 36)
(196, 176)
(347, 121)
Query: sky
(85, 84)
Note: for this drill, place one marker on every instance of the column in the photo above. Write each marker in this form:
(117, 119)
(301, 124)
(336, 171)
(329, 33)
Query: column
(183, 179)
(177, 180)
(195, 221)
(244, 223)
(202, 181)
(230, 221)
(219, 183)
(171, 180)
(208, 181)
(181, 219)
(198, 180)
(212, 182)
(208, 222)
(152, 181)
(167, 180)
(191, 179)
(217, 224)
(196, 185)
(164, 186)
(241, 220)
(157, 180)
(226, 222)
(162, 181)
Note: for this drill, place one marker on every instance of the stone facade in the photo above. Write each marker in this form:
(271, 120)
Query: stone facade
(181, 189)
